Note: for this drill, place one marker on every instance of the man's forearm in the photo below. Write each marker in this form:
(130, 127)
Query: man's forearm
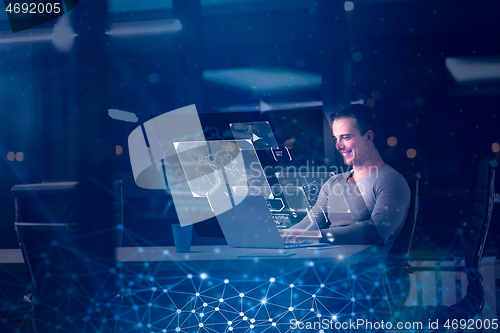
(364, 232)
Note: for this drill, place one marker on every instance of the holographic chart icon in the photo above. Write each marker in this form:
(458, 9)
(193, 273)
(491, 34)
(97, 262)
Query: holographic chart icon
(259, 133)
(218, 168)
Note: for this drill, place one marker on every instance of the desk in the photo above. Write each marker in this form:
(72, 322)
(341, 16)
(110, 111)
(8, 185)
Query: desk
(159, 290)
(218, 257)
(214, 287)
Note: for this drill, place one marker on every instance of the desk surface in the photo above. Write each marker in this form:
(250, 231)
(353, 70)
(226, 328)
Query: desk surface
(225, 258)
(224, 252)
(221, 255)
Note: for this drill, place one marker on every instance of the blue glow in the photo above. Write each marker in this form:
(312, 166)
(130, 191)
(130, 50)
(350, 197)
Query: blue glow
(145, 28)
(266, 79)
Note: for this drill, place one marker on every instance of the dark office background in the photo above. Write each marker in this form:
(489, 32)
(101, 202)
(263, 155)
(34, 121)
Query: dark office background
(395, 56)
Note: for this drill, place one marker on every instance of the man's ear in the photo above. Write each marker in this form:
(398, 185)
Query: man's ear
(370, 135)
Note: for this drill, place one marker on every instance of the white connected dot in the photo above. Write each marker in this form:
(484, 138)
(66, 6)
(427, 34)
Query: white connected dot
(290, 308)
(216, 309)
(292, 285)
(230, 328)
(193, 311)
(252, 320)
(226, 281)
(200, 324)
(230, 322)
(272, 280)
(311, 309)
(221, 300)
(205, 304)
(202, 314)
(245, 318)
(190, 276)
(241, 314)
(322, 285)
(251, 326)
(177, 329)
(318, 315)
(274, 324)
(178, 311)
(203, 276)
(197, 294)
(242, 295)
(263, 301)
(313, 295)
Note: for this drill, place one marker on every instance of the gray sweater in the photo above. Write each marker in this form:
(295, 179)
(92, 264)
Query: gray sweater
(370, 211)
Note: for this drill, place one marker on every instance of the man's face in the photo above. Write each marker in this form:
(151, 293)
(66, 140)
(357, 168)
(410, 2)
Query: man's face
(349, 142)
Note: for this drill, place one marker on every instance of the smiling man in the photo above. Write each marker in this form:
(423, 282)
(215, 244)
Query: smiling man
(378, 196)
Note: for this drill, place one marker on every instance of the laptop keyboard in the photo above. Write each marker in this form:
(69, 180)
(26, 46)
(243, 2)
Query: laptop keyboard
(292, 245)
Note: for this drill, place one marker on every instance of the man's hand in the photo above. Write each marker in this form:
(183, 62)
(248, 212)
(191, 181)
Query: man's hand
(301, 235)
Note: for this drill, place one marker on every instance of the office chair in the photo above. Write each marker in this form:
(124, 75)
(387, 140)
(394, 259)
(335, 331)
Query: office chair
(383, 287)
(397, 268)
(47, 221)
(47, 215)
(476, 230)
(474, 241)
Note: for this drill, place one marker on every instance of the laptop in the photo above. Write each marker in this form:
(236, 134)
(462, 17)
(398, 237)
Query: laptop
(250, 224)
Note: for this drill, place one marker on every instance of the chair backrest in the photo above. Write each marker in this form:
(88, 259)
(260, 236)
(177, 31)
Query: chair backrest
(477, 228)
(402, 245)
(56, 202)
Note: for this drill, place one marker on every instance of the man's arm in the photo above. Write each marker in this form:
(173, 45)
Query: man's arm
(387, 217)
(302, 230)
(364, 232)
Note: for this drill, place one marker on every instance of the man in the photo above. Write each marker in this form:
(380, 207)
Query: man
(377, 196)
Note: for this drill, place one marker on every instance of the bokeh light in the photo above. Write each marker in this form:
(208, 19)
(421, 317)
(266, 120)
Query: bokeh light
(370, 102)
(495, 147)
(411, 153)
(376, 94)
(360, 97)
(153, 78)
(357, 56)
(419, 101)
(11, 156)
(300, 63)
(348, 6)
(392, 141)
(119, 150)
(289, 144)
(19, 156)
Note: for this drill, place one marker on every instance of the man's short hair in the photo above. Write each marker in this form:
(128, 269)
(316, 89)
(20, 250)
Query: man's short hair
(365, 118)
